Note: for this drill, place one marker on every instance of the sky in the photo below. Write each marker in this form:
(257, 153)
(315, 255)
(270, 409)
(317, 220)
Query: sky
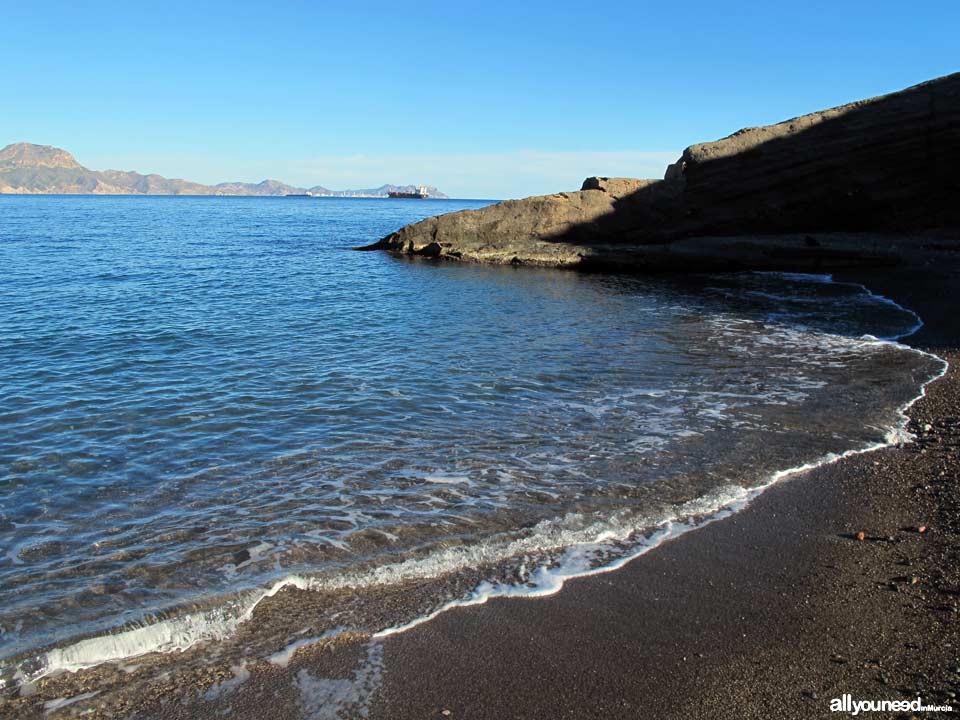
(485, 100)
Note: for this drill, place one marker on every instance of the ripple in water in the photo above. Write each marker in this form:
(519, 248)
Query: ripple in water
(206, 401)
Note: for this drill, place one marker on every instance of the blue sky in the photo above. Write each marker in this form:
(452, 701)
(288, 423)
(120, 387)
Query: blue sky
(491, 99)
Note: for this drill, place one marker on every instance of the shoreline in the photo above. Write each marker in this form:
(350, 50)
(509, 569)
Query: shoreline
(774, 611)
(479, 661)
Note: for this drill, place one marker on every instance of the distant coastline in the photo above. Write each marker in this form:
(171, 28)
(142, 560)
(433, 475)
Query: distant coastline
(29, 169)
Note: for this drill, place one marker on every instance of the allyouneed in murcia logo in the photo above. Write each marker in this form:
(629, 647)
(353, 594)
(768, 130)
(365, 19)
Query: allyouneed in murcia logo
(847, 704)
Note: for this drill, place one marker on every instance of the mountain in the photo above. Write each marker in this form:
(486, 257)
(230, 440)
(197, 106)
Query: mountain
(36, 156)
(31, 169)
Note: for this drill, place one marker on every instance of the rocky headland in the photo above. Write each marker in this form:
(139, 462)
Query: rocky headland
(29, 169)
(842, 187)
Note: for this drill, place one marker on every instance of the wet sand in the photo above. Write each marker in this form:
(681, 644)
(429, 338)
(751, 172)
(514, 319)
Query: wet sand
(770, 613)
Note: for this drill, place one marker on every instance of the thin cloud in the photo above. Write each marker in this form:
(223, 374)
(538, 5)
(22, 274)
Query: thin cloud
(491, 175)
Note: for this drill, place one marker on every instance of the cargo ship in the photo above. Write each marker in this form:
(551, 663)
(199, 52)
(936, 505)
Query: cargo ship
(420, 193)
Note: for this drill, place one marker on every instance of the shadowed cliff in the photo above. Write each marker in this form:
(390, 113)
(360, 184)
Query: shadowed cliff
(822, 190)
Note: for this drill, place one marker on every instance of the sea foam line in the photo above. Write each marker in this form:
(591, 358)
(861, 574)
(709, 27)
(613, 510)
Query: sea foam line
(828, 279)
(581, 547)
(550, 582)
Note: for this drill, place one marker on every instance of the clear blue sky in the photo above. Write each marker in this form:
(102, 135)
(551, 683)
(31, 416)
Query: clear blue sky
(494, 99)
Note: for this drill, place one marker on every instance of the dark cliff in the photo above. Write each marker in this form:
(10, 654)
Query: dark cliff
(801, 193)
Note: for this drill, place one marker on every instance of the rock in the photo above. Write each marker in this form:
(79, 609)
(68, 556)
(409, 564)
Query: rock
(615, 187)
(819, 191)
(512, 232)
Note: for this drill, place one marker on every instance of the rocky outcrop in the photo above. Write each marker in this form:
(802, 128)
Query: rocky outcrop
(542, 230)
(885, 165)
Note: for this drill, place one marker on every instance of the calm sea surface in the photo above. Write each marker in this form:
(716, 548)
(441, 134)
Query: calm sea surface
(202, 398)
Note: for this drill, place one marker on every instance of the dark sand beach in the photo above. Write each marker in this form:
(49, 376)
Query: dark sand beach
(772, 612)
(654, 416)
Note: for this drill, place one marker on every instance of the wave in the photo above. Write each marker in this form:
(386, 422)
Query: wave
(551, 553)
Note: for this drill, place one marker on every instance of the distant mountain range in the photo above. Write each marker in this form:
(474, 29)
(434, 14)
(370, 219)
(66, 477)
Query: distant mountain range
(31, 169)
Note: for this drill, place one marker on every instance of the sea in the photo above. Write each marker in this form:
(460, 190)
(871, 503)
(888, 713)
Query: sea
(226, 433)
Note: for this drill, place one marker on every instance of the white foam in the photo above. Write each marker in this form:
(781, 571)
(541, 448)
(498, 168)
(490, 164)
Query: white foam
(588, 546)
(283, 657)
(50, 705)
(171, 635)
(578, 560)
(879, 298)
(547, 580)
(338, 698)
(447, 479)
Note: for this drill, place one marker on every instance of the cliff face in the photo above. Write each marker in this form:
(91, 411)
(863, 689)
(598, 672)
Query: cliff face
(884, 165)
(889, 163)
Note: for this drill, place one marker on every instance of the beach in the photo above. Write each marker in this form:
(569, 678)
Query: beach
(770, 613)
(838, 581)
(275, 474)
(774, 611)
(490, 363)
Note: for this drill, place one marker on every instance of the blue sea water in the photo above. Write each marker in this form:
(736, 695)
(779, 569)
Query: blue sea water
(203, 397)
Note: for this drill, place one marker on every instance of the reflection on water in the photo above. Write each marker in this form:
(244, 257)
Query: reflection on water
(203, 396)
